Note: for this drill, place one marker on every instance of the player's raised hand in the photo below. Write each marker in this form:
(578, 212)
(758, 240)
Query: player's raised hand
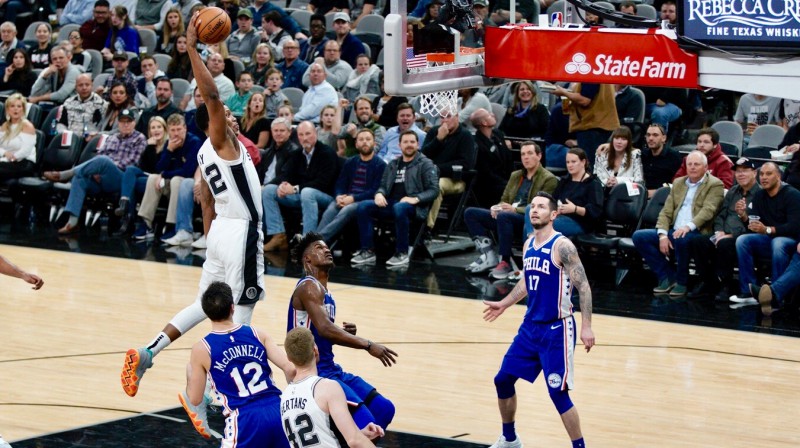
(385, 354)
(349, 327)
(587, 337)
(492, 311)
(191, 31)
(372, 431)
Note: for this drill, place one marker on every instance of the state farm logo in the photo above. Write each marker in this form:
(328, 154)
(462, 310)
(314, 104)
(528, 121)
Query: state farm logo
(608, 65)
(578, 65)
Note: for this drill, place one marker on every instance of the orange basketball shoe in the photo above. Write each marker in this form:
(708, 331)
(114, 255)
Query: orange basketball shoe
(136, 362)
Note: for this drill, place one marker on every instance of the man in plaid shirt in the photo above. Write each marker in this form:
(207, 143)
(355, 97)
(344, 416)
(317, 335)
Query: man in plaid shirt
(102, 173)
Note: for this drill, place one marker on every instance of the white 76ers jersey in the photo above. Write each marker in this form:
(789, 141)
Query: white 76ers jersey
(234, 183)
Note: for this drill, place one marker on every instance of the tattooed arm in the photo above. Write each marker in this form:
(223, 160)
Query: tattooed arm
(567, 256)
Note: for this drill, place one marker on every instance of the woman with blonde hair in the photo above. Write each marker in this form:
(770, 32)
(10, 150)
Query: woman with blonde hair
(172, 29)
(255, 124)
(134, 180)
(618, 161)
(526, 117)
(17, 141)
(262, 63)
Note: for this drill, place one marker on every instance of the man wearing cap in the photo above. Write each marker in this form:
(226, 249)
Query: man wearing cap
(715, 257)
(473, 37)
(102, 173)
(121, 74)
(242, 43)
(56, 83)
(350, 45)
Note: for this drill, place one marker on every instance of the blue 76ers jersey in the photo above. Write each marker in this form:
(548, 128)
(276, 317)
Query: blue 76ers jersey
(234, 183)
(548, 284)
(239, 370)
(300, 318)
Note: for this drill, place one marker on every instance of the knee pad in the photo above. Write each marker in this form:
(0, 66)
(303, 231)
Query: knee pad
(504, 383)
(381, 408)
(560, 399)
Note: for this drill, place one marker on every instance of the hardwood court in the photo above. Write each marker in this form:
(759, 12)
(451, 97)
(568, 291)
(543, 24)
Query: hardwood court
(645, 384)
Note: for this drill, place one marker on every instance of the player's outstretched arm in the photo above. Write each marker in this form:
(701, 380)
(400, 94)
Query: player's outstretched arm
(568, 257)
(196, 370)
(493, 310)
(312, 296)
(206, 205)
(330, 398)
(277, 355)
(8, 268)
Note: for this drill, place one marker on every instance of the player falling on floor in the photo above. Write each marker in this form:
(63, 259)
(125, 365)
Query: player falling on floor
(314, 409)
(546, 338)
(231, 202)
(312, 306)
(233, 359)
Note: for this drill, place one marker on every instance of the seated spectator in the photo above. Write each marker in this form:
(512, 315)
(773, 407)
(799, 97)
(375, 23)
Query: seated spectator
(358, 181)
(286, 112)
(306, 182)
(320, 94)
(261, 64)
(471, 100)
(119, 101)
(173, 28)
(449, 146)
(715, 258)
(664, 105)
(229, 69)
(347, 135)
(273, 34)
(409, 185)
(123, 37)
(121, 75)
(18, 75)
(494, 160)
(278, 151)
(719, 165)
(688, 212)
(176, 162)
(273, 96)
(507, 218)
(191, 116)
(350, 45)
(242, 42)
(83, 112)
(629, 107)
(291, 67)
(145, 85)
(9, 41)
(261, 7)
(431, 15)
(134, 179)
(558, 139)
(163, 107)
(390, 148)
(756, 110)
(96, 30)
(216, 66)
(314, 47)
(361, 81)
(55, 83)
(526, 117)
(179, 66)
(40, 53)
(102, 173)
(773, 219)
(385, 106)
(773, 297)
(474, 37)
(76, 12)
(241, 96)
(330, 125)
(337, 71)
(17, 141)
(580, 197)
(618, 161)
(80, 58)
(659, 161)
(255, 125)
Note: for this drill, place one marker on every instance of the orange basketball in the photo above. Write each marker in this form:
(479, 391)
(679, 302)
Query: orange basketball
(213, 25)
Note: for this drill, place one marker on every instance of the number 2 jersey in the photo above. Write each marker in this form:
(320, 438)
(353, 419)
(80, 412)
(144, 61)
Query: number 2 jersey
(239, 371)
(300, 318)
(234, 183)
(548, 284)
(304, 422)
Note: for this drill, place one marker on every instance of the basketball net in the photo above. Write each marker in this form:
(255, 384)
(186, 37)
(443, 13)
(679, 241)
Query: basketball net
(445, 102)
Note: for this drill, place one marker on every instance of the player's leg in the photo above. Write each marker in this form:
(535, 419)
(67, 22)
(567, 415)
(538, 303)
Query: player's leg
(243, 259)
(378, 408)
(557, 363)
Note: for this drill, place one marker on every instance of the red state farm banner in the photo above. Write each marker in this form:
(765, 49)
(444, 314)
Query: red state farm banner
(610, 56)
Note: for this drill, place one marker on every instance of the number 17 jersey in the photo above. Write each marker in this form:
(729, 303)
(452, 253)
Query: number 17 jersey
(234, 183)
(548, 284)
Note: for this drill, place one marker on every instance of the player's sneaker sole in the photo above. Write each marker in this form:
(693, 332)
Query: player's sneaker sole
(198, 421)
(129, 377)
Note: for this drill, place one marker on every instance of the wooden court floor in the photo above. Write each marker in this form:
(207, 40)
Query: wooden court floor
(646, 383)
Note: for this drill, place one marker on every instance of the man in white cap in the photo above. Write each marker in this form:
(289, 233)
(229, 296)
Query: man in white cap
(350, 45)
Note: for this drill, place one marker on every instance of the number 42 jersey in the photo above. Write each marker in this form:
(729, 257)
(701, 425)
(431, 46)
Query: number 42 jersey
(234, 183)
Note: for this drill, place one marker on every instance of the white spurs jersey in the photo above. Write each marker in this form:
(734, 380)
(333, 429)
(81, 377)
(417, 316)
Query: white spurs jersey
(234, 183)
(304, 422)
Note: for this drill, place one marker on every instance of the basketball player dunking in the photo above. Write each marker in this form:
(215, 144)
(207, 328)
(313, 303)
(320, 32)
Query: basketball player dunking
(231, 204)
(546, 338)
(312, 306)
